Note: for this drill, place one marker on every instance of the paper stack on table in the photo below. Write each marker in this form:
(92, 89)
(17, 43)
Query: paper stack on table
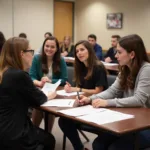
(96, 115)
(60, 103)
(104, 117)
(69, 58)
(80, 111)
(64, 93)
(109, 64)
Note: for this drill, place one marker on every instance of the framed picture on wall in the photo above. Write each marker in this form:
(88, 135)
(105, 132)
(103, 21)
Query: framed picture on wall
(114, 20)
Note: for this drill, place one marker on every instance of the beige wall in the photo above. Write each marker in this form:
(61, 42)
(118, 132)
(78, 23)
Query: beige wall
(90, 17)
(34, 17)
(6, 17)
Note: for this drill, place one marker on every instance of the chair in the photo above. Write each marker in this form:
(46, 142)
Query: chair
(70, 74)
(70, 80)
(111, 79)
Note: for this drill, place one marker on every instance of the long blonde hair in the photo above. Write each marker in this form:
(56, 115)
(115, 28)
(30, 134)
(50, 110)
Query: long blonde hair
(64, 46)
(10, 55)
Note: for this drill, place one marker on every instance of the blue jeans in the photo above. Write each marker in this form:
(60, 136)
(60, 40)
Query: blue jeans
(107, 141)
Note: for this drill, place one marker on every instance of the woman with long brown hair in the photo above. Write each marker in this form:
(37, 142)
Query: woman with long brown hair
(47, 67)
(17, 93)
(131, 89)
(89, 73)
(90, 77)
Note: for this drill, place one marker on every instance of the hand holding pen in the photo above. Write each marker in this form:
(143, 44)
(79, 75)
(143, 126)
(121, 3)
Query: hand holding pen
(82, 100)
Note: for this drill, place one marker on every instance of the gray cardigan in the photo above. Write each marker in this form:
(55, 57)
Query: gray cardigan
(138, 97)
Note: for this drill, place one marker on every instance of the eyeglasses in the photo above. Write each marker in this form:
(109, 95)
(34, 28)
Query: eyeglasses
(31, 51)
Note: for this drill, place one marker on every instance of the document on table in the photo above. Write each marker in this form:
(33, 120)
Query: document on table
(107, 116)
(64, 93)
(80, 111)
(109, 64)
(49, 87)
(60, 103)
(69, 58)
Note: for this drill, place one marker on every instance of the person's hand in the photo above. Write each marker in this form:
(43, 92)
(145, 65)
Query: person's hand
(67, 87)
(99, 103)
(65, 53)
(108, 60)
(82, 100)
(51, 95)
(38, 83)
(45, 79)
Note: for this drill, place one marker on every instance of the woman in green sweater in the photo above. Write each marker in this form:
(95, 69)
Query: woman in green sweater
(48, 66)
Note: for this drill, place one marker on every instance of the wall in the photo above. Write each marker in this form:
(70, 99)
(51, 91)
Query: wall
(6, 17)
(34, 17)
(90, 17)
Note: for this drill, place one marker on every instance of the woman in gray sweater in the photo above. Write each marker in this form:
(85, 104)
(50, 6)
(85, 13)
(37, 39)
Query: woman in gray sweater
(131, 89)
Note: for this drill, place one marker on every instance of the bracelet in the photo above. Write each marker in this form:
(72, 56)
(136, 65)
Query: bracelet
(80, 90)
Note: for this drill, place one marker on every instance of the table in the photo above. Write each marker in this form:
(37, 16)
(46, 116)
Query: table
(140, 121)
(111, 68)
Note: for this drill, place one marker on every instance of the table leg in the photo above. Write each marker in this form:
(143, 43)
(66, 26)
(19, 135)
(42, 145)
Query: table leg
(136, 141)
(46, 121)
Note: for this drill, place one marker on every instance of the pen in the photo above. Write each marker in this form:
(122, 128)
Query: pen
(78, 95)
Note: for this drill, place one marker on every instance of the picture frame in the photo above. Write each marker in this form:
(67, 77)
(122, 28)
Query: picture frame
(114, 20)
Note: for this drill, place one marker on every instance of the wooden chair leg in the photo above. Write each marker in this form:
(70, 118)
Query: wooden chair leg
(84, 136)
(64, 142)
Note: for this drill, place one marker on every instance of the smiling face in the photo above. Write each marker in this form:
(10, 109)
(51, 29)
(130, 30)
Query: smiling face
(82, 53)
(123, 57)
(50, 48)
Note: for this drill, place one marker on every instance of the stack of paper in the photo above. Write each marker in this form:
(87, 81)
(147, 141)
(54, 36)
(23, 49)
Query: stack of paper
(69, 58)
(60, 103)
(80, 111)
(49, 87)
(104, 117)
(96, 115)
(64, 93)
(109, 64)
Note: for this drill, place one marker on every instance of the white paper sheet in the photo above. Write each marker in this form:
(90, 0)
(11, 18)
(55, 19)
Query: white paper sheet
(64, 93)
(104, 117)
(60, 103)
(49, 87)
(109, 64)
(80, 111)
(69, 58)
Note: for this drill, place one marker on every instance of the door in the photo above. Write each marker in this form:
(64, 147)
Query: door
(63, 19)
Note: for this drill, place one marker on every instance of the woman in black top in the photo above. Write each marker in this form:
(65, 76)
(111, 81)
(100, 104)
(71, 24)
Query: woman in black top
(90, 77)
(89, 74)
(17, 93)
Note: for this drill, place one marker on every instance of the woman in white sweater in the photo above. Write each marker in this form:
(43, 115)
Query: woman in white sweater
(131, 89)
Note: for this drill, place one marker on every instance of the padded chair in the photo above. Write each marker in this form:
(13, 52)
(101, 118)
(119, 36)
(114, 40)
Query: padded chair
(70, 70)
(111, 79)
